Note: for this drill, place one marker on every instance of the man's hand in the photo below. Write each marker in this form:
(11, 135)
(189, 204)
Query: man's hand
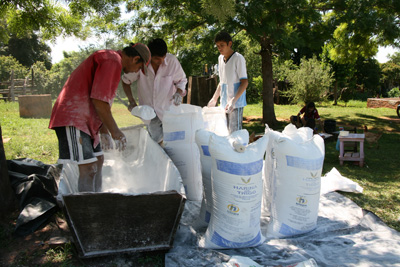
(177, 98)
(120, 144)
(106, 141)
(119, 140)
(131, 106)
(229, 107)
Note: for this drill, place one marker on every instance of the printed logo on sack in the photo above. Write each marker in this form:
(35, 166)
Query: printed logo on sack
(301, 201)
(246, 181)
(312, 178)
(233, 209)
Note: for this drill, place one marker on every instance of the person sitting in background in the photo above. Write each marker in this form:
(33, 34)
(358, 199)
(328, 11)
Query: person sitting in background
(309, 118)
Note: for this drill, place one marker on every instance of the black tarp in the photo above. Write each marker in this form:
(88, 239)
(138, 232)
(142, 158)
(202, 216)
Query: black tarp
(35, 186)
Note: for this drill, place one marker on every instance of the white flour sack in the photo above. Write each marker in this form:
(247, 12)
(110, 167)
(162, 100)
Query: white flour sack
(215, 120)
(202, 140)
(293, 167)
(236, 195)
(180, 124)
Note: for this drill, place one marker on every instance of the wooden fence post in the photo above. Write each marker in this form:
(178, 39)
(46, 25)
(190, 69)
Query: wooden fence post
(11, 96)
(201, 89)
(25, 84)
(189, 92)
(32, 81)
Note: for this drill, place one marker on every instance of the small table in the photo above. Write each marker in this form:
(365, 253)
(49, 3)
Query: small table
(327, 137)
(352, 156)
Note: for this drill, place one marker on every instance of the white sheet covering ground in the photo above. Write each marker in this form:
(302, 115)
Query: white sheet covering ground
(346, 235)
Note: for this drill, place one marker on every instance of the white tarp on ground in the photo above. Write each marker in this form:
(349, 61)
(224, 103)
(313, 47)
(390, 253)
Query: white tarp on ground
(346, 235)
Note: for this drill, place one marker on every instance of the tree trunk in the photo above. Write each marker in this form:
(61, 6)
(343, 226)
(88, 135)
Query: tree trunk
(268, 90)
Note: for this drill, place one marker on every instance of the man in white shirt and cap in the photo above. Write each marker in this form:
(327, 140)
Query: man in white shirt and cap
(163, 85)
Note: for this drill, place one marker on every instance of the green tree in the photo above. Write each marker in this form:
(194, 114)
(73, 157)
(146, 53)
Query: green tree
(394, 92)
(272, 25)
(282, 69)
(395, 58)
(8, 63)
(28, 50)
(367, 76)
(359, 26)
(390, 70)
(52, 18)
(52, 81)
(24, 25)
(390, 76)
(45, 17)
(290, 29)
(310, 81)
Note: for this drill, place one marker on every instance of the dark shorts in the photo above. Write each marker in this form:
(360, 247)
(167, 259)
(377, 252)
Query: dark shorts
(76, 146)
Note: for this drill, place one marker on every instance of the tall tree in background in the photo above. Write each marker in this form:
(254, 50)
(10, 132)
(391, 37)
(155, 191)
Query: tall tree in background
(46, 18)
(28, 50)
(391, 73)
(274, 25)
(52, 18)
(358, 27)
(40, 20)
(284, 28)
(290, 28)
(279, 27)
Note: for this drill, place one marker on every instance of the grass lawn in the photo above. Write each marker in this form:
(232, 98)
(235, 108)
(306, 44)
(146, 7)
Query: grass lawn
(380, 176)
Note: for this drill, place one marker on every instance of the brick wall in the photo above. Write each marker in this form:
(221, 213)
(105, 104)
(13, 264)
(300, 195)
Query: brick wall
(383, 102)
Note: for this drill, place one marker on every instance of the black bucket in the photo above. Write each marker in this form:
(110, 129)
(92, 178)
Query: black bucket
(330, 126)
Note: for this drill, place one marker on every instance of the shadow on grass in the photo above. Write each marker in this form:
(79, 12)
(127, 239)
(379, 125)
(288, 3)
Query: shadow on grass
(391, 123)
(379, 177)
(254, 124)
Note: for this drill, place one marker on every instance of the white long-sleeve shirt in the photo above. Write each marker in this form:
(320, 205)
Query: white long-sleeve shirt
(156, 90)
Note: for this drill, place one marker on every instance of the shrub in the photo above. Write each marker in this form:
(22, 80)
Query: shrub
(8, 63)
(254, 91)
(394, 92)
(310, 82)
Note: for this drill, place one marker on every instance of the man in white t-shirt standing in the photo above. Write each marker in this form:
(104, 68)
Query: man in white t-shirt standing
(233, 82)
(163, 85)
